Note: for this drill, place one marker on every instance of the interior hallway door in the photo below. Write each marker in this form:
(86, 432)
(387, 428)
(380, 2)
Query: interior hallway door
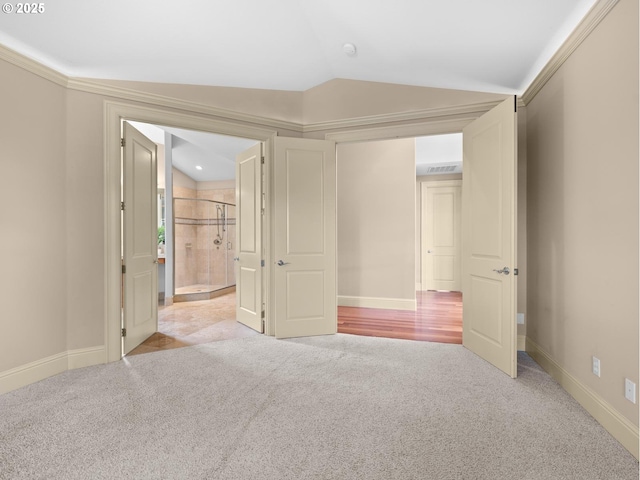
(140, 245)
(441, 235)
(249, 238)
(489, 237)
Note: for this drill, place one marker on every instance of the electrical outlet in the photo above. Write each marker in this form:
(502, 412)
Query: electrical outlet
(596, 366)
(520, 317)
(630, 390)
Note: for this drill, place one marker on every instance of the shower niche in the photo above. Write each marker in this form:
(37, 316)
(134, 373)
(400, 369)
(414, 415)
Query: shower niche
(204, 246)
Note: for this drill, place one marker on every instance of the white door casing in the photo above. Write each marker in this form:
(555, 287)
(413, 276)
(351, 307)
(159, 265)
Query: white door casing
(441, 235)
(249, 238)
(304, 237)
(140, 245)
(489, 237)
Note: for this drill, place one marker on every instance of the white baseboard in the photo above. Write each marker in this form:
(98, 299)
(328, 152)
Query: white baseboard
(377, 302)
(522, 339)
(33, 372)
(86, 357)
(616, 424)
(47, 367)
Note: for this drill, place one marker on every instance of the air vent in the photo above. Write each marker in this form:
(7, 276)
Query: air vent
(441, 169)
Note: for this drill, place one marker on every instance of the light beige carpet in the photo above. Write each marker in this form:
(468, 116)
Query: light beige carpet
(334, 407)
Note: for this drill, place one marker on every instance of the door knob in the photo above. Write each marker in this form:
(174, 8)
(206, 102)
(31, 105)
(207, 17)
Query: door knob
(280, 263)
(504, 270)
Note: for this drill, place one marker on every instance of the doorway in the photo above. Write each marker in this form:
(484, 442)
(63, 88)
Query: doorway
(196, 239)
(379, 239)
(115, 115)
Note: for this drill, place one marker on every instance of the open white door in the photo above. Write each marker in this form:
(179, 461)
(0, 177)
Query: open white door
(249, 238)
(140, 242)
(489, 237)
(441, 244)
(304, 237)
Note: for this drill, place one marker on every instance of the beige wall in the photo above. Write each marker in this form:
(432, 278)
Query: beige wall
(521, 228)
(376, 219)
(84, 189)
(33, 218)
(342, 99)
(582, 142)
(182, 181)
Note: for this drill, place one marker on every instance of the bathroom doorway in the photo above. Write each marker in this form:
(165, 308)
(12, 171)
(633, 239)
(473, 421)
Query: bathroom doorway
(196, 221)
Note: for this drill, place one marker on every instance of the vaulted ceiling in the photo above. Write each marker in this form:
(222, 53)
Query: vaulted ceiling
(482, 45)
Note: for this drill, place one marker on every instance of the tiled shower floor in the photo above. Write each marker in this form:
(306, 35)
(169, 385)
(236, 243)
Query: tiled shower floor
(200, 287)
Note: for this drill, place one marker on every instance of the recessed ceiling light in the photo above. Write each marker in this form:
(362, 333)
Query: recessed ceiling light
(349, 49)
(198, 167)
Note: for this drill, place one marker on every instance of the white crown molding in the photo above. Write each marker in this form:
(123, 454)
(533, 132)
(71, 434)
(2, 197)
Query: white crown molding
(96, 87)
(581, 32)
(429, 126)
(32, 66)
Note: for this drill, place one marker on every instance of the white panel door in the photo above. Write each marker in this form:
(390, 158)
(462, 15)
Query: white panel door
(441, 236)
(249, 237)
(489, 237)
(140, 238)
(304, 237)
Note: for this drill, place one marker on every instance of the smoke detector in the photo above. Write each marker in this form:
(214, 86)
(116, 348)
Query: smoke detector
(349, 49)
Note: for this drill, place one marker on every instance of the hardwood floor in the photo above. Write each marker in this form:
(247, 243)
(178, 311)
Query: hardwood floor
(437, 319)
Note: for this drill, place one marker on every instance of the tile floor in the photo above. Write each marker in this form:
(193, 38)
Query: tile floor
(191, 323)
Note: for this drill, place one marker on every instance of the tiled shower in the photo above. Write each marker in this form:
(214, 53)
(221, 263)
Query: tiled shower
(204, 246)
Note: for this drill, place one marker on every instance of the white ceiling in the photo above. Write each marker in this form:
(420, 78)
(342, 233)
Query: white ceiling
(216, 154)
(442, 153)
(483, 45)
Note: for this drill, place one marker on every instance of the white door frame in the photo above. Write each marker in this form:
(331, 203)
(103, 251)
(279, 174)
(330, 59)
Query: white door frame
(114, 113)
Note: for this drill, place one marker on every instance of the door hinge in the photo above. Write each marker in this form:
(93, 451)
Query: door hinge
(123, 332)
(124, 269)
(515, 271)
(122, 206)
(262, 160)
(262, 315)
(122, 142)
(262, 263)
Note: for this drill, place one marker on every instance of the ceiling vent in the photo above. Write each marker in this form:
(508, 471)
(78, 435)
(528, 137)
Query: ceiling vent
(441, 169)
